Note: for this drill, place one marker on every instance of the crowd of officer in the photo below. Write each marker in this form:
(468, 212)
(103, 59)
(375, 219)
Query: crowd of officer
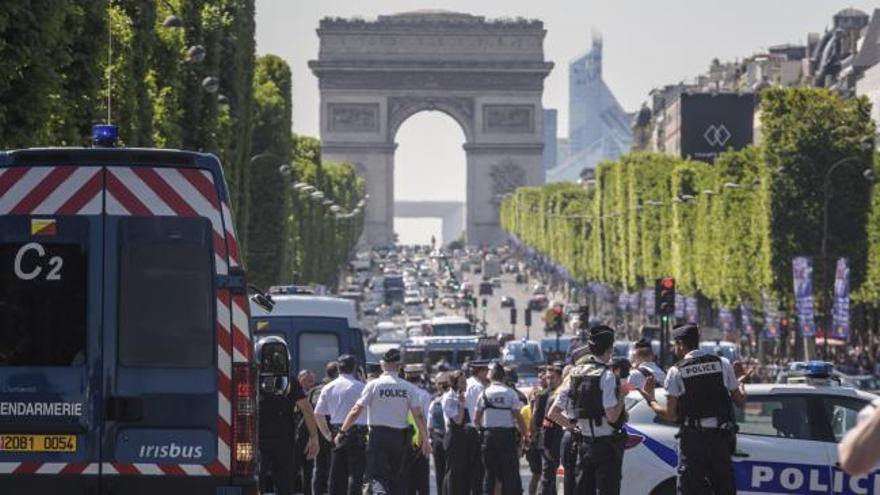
(378, 431)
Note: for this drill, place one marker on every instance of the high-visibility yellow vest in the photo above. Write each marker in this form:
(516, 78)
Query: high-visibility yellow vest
(416, 440)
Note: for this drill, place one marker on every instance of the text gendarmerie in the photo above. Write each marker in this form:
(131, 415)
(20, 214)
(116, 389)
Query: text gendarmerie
(41, 409)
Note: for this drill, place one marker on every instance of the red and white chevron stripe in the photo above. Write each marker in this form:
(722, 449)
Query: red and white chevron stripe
(61, 190)
(48, 468)
(148, 191)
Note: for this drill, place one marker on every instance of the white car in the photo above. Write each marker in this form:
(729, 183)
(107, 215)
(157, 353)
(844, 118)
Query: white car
(787, 443)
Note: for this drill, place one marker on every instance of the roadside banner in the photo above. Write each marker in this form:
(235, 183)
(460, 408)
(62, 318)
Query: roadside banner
(745, 312)
(771, 317)
(840, 313)
(649, 301)
(679, 305)
(690, 309)
(803, 295)
(725, 319)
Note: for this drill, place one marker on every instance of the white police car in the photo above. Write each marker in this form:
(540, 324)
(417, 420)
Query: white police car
(787, 442)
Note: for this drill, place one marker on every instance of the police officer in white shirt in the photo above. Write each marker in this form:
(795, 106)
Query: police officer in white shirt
(643, 365)
(461, 453)
(388, 400)
(498, 415)
(475, 385)
(858, 451)
(700, 392)
(337, 398)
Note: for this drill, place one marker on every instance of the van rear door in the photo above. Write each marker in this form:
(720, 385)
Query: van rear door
(50, 314)
(167, 344)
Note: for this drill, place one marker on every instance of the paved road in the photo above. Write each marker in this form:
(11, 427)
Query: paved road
(499, 318)
(523, 473)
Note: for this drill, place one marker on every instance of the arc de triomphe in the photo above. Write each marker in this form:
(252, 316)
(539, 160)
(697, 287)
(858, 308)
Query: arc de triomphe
(488, 75)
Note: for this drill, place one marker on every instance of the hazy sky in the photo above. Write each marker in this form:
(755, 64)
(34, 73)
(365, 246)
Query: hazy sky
(648, 43)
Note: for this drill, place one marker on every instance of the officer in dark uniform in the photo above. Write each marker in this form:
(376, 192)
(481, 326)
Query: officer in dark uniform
(700, 392)
(336, 399)
(498, 416)
(322, 461)
(278, 397)
(437, 428)
(596, 396)
(387, 400)
(548, 434)
(461, 453)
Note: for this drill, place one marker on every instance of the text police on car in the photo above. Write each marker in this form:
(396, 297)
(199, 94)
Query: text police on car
(387, 400)
(701, 390)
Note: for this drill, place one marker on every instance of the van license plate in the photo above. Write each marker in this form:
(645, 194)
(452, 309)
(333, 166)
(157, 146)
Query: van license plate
(37, 443)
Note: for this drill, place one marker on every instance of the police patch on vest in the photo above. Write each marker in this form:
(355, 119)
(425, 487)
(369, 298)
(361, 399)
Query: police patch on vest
(699, 369)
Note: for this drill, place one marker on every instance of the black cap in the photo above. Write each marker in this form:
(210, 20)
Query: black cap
(686, 331)
(346, 360)
(602, 336)
(391, 356)
(642, 344)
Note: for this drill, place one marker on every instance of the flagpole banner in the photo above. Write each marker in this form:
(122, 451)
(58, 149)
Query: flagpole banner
(803, 294)
(771, 317)
(679, 306)
(840, 314)
(648, 298)
(745, 312)
(725, 319)
(690, 309)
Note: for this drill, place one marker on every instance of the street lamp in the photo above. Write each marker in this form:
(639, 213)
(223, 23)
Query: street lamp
(317, 195)
(868, 175)
(731, 185)
(709, 192)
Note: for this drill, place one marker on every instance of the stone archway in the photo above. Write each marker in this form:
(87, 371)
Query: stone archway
(488, 75)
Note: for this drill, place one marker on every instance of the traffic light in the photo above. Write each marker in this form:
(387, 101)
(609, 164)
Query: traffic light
(528, 317)
(584, 317)
(513, 316)
(558, 324)
(664, 299)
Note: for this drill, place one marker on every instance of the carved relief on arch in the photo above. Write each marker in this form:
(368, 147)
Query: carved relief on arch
(505, 176)
(460, 108)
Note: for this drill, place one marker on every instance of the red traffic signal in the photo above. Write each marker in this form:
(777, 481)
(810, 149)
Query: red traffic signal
(664, 292)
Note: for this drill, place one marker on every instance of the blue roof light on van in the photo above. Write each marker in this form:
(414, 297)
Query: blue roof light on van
(105, 135)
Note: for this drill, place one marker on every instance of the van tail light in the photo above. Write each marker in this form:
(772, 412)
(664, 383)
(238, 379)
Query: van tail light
(244, 420)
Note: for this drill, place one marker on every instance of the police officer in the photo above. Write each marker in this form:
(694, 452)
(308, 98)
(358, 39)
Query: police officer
(548, 434)
(388, 400)
(700, 392)
(596, 396)
(461, 453)
(322, 461)
(437, 428)
(498, 415)
(278, 397)
(477, 382)
(418, 465)
(336, 399)
(643, 365)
